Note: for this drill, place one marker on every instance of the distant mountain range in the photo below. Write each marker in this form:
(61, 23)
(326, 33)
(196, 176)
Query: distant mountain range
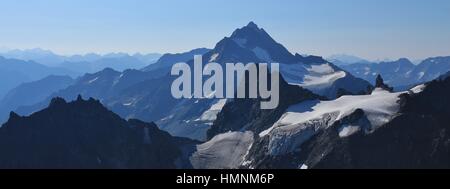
(163, 66)
(401, 74)
(166, 61)
(87, 63)
(345, 59)
(31, 93)
(49, 58)
(19, 66)
(13, 72)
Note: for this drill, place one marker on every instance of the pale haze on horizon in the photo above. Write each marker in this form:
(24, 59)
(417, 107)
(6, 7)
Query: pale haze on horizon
(372, 29)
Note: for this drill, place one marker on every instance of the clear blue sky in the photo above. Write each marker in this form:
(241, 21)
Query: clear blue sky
(373, 29)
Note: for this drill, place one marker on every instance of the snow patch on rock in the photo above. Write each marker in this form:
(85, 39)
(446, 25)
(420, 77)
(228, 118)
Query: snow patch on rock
(347, 130)
(211, 114)
(240, 42)
(421, 74)
(93, 80)
(304, 166)
(418, 88)
(262, 54)
(322, 80)
(214, 57)
(321, 69)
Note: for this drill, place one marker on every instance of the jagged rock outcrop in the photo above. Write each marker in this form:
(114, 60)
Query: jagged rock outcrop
(379, 83)
(84, 134)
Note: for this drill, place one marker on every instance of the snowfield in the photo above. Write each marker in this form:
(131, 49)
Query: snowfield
(347, 130)
(322, 80)
(92, 80)
(241, 42)
(214, 57)
(313, 77)
(418, 88)
(303, 120)
(224, 151)
(210, 115)
(297, 125)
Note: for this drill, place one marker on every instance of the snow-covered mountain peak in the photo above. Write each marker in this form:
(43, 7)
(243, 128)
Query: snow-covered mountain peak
(253, 44)
(250, 44)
